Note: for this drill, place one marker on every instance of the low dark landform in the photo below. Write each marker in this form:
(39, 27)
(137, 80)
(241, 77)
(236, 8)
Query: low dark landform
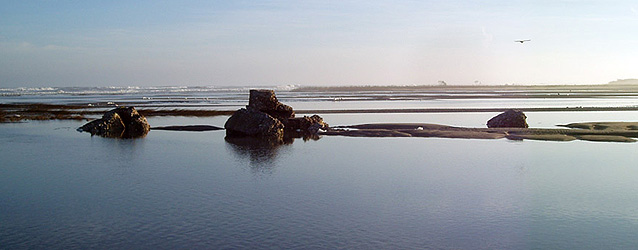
(627, 82)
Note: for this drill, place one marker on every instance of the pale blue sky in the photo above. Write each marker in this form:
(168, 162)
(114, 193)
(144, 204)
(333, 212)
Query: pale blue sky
(226, 43)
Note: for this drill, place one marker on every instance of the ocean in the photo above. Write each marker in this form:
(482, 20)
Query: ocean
(62, 189)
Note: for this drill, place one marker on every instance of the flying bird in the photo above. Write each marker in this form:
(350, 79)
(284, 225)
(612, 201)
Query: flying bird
(522, 41)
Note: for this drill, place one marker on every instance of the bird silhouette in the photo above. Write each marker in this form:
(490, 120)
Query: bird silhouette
(522, 41)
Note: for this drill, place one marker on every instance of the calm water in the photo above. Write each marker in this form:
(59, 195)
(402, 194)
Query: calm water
(61, 189)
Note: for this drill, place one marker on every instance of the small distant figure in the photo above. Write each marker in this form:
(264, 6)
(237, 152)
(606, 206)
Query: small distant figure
(522, 41)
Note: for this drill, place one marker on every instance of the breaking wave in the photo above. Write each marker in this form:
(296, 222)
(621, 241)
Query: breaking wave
(131, 90)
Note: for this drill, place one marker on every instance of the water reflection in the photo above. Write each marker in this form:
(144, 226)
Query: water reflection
(127, 151)
(261, 152)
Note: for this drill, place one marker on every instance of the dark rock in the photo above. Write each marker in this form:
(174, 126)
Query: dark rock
(250, 122)
(310, 124)
(122, 122)
(508, 119)
(266, 101)
(266, 117)
(304, 127)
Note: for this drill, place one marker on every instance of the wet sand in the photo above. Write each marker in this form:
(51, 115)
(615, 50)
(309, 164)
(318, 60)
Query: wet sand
(591, 131)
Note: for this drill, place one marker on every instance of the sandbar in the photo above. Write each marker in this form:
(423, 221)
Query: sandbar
(620, 132)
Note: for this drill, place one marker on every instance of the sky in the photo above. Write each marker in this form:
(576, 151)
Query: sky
(316, 43)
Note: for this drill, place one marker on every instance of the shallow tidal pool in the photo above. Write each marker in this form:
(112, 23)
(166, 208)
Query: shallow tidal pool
(63, 189)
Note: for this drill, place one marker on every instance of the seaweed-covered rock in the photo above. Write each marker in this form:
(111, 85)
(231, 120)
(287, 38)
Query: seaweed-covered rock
(121, 122)
(250, 122)
(509, 119)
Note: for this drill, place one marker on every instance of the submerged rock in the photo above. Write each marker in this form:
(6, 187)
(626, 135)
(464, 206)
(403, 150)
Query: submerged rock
(508, 119)
(122, 122)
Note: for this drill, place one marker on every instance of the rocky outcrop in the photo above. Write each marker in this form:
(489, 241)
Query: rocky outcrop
(122, 122)
(308, 124)
(508, 119)
(251, 122)
(266, 117)
(266, 101)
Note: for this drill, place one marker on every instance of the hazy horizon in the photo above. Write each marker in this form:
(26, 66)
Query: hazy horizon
(316, 43)
(283, 87)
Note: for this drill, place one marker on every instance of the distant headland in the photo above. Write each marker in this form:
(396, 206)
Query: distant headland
(624, 82)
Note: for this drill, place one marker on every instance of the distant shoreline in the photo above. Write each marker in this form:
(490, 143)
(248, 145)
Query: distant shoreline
(551, 87)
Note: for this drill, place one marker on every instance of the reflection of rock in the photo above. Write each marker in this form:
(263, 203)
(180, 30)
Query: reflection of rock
(122, 122)
(254, 144)
(261, 152)
(266, 117)
(508, 119)
(260, 148)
